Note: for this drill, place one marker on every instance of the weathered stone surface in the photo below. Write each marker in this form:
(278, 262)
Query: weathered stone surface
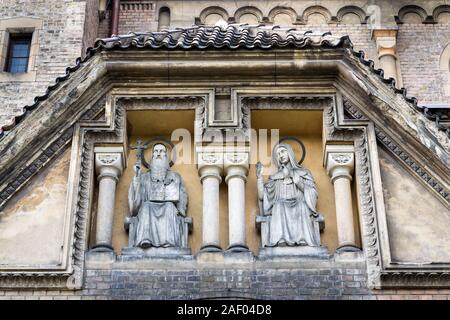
(32, 225)
(418, 223)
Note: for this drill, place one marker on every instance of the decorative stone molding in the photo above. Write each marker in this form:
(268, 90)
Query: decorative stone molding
(419, 171)
(136, 5)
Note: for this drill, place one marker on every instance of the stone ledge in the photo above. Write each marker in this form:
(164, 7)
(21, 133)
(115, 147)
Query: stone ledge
(222, 260)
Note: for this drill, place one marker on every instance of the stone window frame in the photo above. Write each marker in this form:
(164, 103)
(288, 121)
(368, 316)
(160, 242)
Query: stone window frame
(21, 25)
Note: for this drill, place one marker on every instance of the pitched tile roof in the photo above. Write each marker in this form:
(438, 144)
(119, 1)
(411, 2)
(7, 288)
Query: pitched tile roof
(231, 37)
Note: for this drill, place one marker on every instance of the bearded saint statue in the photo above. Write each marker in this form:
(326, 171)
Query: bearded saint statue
(289, 197)
(159, 200)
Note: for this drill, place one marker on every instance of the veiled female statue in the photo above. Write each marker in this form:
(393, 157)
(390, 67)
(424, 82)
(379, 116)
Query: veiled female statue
(289, 197)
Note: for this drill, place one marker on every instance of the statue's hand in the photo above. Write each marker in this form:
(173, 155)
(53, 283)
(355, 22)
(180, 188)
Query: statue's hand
(137, 170)
(259, 168)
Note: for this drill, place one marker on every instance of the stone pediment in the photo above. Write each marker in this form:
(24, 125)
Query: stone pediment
(82, 107)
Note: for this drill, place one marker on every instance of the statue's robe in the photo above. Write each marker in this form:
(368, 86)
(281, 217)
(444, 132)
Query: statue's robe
(160, 206)
(291, 203)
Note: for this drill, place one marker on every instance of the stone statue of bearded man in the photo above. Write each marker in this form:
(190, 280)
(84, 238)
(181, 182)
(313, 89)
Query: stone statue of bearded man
(158, 200)
(289, 198)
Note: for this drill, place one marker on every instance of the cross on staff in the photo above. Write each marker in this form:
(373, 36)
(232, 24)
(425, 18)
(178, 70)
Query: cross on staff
(140, 148)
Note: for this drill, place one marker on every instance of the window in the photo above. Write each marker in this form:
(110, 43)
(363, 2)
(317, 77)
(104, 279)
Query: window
(18, 53)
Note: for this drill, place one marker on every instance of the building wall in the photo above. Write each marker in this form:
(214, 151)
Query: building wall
(61, 41)
(72, 26)
(419, 50)
(345, 281)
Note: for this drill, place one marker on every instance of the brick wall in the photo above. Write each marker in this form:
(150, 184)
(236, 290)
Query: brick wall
(419, 49)
(137, 16)
(71, 26)
(91, 24)
(342, 283)
(61, 42)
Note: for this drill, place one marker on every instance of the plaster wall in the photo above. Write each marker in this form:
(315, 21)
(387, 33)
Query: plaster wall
(306, 125)
(418, 223)
(32, 224)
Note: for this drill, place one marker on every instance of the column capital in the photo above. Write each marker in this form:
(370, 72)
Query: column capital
(109, 162)
(236, 164)
(210, 164)
(386, 41)
(339, 161)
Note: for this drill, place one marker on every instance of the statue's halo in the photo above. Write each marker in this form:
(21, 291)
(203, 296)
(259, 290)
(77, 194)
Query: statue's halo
(167, 143)
(300, 143)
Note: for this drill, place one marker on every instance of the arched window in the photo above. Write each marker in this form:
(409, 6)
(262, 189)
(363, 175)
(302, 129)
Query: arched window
(163, 18)
(444, 67)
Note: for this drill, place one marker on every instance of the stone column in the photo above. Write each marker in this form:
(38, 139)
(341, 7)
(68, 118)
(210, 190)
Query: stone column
(339, 163)
(210, 167)
(236, 169)
(109, 164)
(386, 41)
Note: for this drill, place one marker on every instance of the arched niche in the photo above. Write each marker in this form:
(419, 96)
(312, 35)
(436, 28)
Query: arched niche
(250, 15)
(163, 18)
(211, 15)
(351, 15)
(442, 14)
(316, 15)
(282, 16)
(411, 15)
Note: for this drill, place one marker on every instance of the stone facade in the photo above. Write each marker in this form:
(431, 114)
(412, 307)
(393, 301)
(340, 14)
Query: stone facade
(68, 28)
(171, 78)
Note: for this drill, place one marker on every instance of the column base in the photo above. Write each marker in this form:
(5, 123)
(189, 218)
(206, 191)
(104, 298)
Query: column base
(237, 247)
(211, 247)
(348, 248)
(99, 259)
(102, 247)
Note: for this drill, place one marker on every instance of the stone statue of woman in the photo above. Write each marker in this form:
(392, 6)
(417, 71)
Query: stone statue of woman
(289, 197)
